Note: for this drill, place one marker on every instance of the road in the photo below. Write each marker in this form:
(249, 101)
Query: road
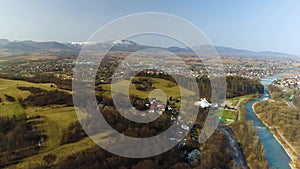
(237, 106)
(286, 142)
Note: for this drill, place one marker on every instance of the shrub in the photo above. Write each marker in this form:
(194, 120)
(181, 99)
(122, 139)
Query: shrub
(50, 158)
(9, 98)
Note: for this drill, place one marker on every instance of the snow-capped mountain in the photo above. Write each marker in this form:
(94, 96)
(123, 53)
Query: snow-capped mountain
(118, 45)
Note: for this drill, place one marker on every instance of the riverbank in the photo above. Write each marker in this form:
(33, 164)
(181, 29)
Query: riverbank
(280, 140)
(246, 136)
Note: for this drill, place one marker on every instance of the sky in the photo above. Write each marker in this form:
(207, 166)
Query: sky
(259, 25)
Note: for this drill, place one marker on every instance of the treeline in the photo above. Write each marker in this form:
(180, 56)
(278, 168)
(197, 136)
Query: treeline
(214, 154)
(40, 97)
(277, 94)
(249, 141)
(42, 78)
(17, 140)
(236, 85)
(143, 84)
(32, 90)
(282, 116)
(73, 133)
(239, 86)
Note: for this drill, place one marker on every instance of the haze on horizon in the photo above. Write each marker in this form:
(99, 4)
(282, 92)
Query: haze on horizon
(256, 25)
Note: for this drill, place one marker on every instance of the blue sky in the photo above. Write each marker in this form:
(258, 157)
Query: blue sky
(256, 25)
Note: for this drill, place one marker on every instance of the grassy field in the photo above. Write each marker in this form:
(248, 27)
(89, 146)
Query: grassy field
(53, 121)
(234, 101)
(166, 89)
(11, 109)
(164, 85)
(61, 153)
(9, 87)
(226, 113)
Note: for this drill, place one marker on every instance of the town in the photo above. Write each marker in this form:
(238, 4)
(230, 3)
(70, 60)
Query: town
(63, 68)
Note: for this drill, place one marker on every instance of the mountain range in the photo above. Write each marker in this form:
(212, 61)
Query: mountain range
(57, 48)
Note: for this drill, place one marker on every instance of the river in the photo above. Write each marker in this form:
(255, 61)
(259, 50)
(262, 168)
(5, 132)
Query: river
(275, 154)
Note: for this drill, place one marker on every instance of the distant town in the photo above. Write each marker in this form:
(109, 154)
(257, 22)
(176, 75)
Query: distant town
(64, 67)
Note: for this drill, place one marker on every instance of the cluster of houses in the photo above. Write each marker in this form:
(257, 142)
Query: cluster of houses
(60, 68)
(156, 106)
(289, 82)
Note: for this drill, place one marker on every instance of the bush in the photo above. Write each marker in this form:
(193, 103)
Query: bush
(73, 133)
(42, 97)
(9, 98)
(50, 158)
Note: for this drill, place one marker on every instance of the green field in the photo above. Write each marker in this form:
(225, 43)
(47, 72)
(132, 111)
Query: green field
(164, 85)
(226, 113)
(166, 89)
(53, 121)
(9, 87)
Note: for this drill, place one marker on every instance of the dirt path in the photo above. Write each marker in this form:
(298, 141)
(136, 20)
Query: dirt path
(286, 141)
(238, 105)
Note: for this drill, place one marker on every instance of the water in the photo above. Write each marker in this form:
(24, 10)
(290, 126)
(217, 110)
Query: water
(275, 154)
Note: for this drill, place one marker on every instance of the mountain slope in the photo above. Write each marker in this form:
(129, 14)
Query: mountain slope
(26, 47)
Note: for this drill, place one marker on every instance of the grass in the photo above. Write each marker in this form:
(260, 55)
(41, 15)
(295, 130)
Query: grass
(53, 122)
(226, 113)
(61, 153)
(11, 109)
(9, 87)
(122, 87)
(234, 101)
(167, 87)
(64, 151)
(229, 114)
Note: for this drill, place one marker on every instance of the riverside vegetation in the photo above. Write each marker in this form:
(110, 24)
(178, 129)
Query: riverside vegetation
(249, 141)
(282, 119)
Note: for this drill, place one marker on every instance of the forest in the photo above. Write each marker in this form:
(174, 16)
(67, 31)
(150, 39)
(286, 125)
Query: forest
(17, 140)
(41, 97)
